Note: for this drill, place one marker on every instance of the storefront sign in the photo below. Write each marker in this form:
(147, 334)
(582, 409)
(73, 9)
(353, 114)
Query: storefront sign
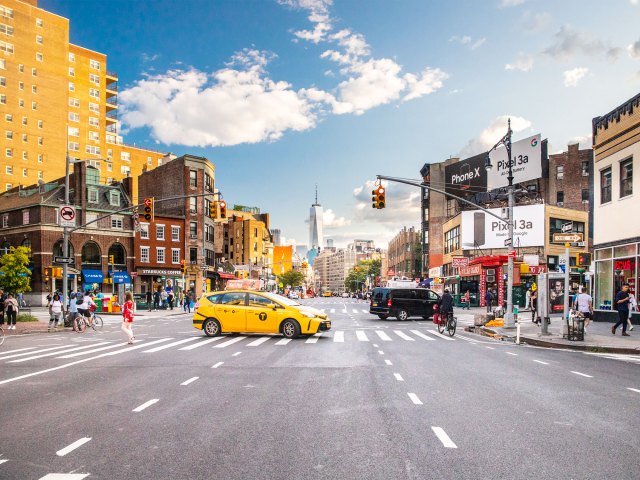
(537, 269)
(470, 271)
(435, 272)
(459, 262)
(480, 230)
(526, 163)
(158, 271)
(626, 264)
(483, 286)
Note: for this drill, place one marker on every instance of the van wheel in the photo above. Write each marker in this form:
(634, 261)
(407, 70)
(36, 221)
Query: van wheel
(402, 315)
(290, 329)
(383, 317)
(211, 327)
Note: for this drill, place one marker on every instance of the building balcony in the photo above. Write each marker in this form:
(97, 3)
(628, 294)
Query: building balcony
(111, 76)
(112, 102)
(112, 90)
(112, 116)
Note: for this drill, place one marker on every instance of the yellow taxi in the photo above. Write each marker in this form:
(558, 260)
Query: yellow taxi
(327, 293)
(260, 312)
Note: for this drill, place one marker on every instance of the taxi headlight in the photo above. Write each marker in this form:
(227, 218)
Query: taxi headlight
(309, 315)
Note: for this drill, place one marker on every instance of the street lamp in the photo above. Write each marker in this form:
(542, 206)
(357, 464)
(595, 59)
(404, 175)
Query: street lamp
(506, 141)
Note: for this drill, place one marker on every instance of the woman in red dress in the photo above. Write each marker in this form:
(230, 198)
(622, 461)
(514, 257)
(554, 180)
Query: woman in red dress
(127, 316)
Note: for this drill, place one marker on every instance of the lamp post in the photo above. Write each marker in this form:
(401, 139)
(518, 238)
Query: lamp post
(506, 141)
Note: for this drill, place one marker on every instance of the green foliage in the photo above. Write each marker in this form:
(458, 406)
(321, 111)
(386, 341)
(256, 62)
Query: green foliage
(25, 317)
(14, 275)
(291, 278)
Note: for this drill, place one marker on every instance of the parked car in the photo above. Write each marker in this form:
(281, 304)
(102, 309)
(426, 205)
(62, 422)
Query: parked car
(345, 295)
(403, 303)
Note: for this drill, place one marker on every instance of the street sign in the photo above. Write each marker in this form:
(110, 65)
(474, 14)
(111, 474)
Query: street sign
(459, 262)
(507, 242)
(204, 266)
(67, 216)
(63, 260)
(512, 254)
(567, 227)
(133, 274)
(568, 237)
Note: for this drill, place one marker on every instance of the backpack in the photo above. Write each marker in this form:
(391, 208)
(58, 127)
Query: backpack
(79, 300)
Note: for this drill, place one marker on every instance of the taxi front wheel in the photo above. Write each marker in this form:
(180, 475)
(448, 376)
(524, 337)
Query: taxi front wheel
(290, 329)
(211, 327)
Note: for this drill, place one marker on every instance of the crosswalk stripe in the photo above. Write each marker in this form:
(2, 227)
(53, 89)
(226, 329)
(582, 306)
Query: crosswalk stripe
(362, 337)
(422, 335)
(50, 354)
(355, 310)
(86, 352)
(439, 335)
(462, 337)
(202, 343)
(314, 339)
(59, 347)
(403, 336)
(365, 311)
(284, 341)
(383, 336)
(17, 350)
(137, 347)
(338, 336)
(169, 345)
(257, 342)
(229, 342)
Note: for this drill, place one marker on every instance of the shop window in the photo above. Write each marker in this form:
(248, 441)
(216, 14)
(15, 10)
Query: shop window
(624, 271)
(604, 284)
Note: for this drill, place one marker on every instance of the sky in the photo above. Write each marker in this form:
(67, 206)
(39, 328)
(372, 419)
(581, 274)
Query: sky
(284, 95)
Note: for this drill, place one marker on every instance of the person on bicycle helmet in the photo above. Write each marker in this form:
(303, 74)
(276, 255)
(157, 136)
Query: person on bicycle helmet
(446, 303)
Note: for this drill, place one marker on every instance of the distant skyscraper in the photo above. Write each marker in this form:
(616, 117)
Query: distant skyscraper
(276, 233)
(315, 224)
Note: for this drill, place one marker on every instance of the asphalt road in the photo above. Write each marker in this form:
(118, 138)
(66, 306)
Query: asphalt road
(370, 399)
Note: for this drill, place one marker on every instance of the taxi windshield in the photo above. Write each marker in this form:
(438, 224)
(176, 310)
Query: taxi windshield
(282, 299)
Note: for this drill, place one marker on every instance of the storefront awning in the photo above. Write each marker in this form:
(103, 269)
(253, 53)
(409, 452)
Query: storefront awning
(226, 275)
(121, 277)
(92, 276)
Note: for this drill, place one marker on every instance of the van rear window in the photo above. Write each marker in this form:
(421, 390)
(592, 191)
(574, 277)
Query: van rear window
(380, 294)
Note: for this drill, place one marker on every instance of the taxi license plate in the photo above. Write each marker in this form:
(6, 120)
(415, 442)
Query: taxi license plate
(375, 304)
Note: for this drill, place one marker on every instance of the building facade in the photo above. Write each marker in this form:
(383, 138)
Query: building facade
(404, 254)
(616, 144)
(331, 268)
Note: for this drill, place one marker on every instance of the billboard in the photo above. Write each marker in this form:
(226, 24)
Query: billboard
(485, 231)
(466, 176)
(526, 163)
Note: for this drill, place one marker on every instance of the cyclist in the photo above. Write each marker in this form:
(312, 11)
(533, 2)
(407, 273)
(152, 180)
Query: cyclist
(446, 305)
(85, 305)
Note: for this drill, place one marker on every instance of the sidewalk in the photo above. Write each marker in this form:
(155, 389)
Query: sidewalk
(597, 338)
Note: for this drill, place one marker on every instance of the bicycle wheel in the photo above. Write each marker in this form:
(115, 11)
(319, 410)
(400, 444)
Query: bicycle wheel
(452, 326)
(81, 324)
(1, 335)
(441, 323)
(97, 323)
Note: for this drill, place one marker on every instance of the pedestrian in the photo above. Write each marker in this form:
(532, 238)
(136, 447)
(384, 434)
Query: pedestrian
(55, 312)
(21, 302)
(527, 298)
(584, 304)
(2, 300)
(187, 302)
(156, 299)
(621, 303)
(148, 298)
(467, 300)
(127, 316)
(633, 307)
(534, 307)
(72, 308)
(11, 311)
(181, 298)
(488, 298)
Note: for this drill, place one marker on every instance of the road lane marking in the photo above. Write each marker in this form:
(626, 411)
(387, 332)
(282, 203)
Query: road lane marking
(50, 354)
(229, 342)
(365, 311)
(65, 476)
(146, 405)
(3, 461)
(169, 345)
(511, 353)
(388, 362)
(314, 338)
(582, 374)
(362, 337)
(491, 348)
(422, 335)
(338, 336)
(284, 341)
(470, 340)
(375, 345)
(217, 365)
(633, 389)
(439, 335)
(541, 362)
(380, 352)
(383, 336)
(73, 446)
(355, 310)
(202, 343)
(258, 341)
(414, 398)
(17, 350)
(59, 347)
(191, 380)
(87, 352)
(398, 377)
(236, 354)
(443, 437)
(404, 336)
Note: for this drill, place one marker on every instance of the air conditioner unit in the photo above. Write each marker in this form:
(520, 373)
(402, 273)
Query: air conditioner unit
(560, 204)
(504, 213)
(194, 235)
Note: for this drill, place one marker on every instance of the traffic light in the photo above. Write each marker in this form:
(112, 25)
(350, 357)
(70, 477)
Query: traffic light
(183, 266)
(111, 259)
(378, 197)
(213, 209)
(583, 259)
(223, 209)
(148, 209)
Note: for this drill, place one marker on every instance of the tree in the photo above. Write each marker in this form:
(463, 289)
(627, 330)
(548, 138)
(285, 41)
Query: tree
(14, 275)
(291, 278)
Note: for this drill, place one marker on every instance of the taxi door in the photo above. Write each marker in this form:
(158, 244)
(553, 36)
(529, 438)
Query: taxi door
(231, 312)
(261, 316)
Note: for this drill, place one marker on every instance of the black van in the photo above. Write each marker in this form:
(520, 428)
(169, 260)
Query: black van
(403, 302)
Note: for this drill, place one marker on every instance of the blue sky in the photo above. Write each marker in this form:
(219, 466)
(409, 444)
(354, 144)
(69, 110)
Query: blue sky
(282, 95)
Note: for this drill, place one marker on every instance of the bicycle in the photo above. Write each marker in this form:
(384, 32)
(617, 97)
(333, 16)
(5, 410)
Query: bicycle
(96, 321)
(448, 324)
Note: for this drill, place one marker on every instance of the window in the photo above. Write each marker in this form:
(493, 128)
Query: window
(585, 168)
(25, 120)
(144, 231)
(555, 226)
(8, 117)
(175, 234)
(149, 161)
(585, 195)
(34, 105)
(3, 99)
(114, 198)
(560, 172)
(193, 229)
(9, 170)
(34, 72)
(109, 167)
(9, 153)
(25, 156)
(193, 255)
(40, 158)
(605, 185)
(94, 122)
(192, 205)
(40, 141)
(116, 222)
(40, 175)
(72, 72)
(93, 150)
(560, 198)
(24, 137)
(24, 172)
(94, 107)
(208, 182)
(208, 233)
(6, 12)
(8, 134)
(74, 146)
(95, 79)
(175, 255)
(144, 254)
(159, 232)
(74, 117)
(40, 124)
(94, 136)
(39, 57)
(3, 81)
(72, 87)
(8, 186)
(193, 179)
(21, 102)
(626, 177)
(126, 156)
(72, 57)
(94, 64)
(125, 170)
(452, 240)
(74, 102)
(21, 68)
(92, 217)
(20, 85)
(39, 22)
(160, 254)
(94, 92)
(6, 48)
(5, 218)
(8, 30)
(3, 64)
(92, 195)
(73, 131)
(25, 217)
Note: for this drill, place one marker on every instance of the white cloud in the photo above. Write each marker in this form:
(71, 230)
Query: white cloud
(583, 141)
(402, 207)
(534, 22)
(570, 42)
(467, 40)
(634, 49)
(635, 2)
(523, 62)
(573, 76)
(331, 221)
(510, 3)
(494, 132)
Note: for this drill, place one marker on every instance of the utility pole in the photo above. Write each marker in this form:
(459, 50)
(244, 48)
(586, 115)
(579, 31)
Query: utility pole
(65, 239)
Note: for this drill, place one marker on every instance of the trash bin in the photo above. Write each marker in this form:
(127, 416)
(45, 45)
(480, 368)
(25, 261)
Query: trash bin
(98, 302)
(575, 327)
